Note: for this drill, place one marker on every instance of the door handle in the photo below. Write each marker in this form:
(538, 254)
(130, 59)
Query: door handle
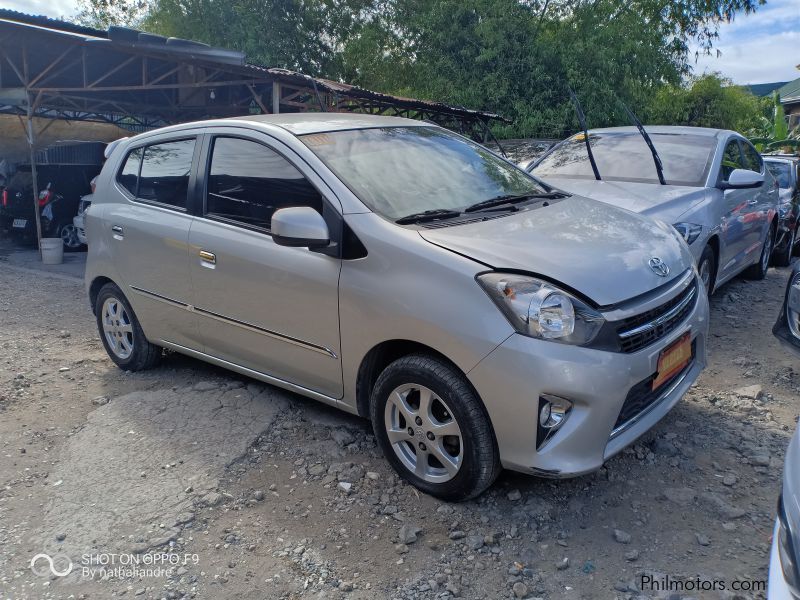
(753, 201)
(208, 259)
(117, 231)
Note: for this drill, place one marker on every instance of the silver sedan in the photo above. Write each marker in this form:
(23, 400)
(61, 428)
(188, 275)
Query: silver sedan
(717, 192)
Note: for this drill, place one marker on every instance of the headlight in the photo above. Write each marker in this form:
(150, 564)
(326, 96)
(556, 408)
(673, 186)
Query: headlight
(783, 210)
(689, 231)
(539, 309)
(786, 553)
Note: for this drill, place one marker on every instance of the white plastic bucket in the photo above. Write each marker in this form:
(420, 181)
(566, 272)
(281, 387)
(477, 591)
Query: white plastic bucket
(52, 251)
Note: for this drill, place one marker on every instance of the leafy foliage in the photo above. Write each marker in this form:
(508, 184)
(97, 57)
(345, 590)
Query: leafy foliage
(706, 101)
(515, 57)
(773, 134)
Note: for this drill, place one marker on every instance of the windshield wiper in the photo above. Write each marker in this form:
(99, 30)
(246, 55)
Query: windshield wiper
(511, 199)
(428, 215)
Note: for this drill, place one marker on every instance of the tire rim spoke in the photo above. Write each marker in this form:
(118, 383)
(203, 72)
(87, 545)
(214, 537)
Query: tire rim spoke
(423, 433)
(117, 328)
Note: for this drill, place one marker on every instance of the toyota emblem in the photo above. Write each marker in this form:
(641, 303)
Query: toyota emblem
(659, 267)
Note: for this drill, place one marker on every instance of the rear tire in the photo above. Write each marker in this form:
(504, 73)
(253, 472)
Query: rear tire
(783, 257)
(121, 333)
(759, 270)
(707, 267)
(441, 439)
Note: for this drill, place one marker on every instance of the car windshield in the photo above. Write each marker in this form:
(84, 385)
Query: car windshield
(400, 171)
(780, 171)
(626, 157)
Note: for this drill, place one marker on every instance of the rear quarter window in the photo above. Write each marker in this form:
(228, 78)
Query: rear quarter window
(129, 172)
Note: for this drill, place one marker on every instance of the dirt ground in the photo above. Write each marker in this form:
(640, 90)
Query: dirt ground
(191, 481)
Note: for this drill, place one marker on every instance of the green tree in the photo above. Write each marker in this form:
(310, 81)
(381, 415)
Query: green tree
(706, 101)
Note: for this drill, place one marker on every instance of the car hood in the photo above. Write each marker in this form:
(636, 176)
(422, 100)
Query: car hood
(597, 250)
(665, 202)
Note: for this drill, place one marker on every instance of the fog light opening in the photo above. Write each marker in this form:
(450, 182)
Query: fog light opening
(553, 413)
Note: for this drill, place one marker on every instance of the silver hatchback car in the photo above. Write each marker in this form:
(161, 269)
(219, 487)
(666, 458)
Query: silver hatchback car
(398, 271)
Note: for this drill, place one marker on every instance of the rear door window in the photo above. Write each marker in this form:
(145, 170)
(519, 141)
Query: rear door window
(248, 182)
(164, 177)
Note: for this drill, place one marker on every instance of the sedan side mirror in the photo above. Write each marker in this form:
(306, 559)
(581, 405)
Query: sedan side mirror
(299, 227)
(741, 179)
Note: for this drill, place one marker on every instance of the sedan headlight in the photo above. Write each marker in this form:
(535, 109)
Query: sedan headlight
(784, 210)
(689, 231)
(539, 309)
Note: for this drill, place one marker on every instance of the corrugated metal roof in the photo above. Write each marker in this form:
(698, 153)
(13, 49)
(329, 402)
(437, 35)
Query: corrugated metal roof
(790, 93)
(133, 41)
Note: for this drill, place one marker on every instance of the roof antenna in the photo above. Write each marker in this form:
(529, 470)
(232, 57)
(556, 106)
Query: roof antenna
(648, 141)
(582, 121)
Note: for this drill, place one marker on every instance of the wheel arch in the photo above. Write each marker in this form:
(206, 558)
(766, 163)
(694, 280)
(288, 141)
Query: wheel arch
(381, 356)
(95, 287)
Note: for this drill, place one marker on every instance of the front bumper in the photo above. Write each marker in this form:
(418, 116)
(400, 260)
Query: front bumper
(513, 377)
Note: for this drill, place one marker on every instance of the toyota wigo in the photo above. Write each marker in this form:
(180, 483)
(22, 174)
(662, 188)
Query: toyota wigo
(399, 271)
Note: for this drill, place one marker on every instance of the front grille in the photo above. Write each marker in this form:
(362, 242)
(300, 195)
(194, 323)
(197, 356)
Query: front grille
(635, 333)
(642, 396)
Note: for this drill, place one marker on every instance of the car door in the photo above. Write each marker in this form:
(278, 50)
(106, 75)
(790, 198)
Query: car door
(734, 225)
(269, 308)
(763, 202)
(148, 232)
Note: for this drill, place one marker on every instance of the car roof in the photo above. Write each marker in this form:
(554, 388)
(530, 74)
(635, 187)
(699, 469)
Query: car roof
(667, 129)
(302, 123)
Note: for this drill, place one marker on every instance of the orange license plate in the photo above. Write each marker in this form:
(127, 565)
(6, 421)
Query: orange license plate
(673, 360)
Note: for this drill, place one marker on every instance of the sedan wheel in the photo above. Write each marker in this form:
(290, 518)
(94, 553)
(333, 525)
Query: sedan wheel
(707, 269)
(423, 433)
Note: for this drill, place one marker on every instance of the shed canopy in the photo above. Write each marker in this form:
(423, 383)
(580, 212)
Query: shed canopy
(139, 80)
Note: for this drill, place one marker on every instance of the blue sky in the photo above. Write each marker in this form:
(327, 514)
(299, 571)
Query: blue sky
(757, 48)
(760, 47)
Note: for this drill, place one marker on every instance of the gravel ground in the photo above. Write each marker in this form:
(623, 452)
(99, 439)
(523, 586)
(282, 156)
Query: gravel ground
(251, 492)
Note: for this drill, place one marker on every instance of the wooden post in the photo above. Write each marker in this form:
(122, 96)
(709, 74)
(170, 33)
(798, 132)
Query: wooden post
(34, 178)
(276, 98)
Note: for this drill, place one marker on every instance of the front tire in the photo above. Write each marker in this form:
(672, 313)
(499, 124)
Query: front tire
(121, 333)
(433, 428)
(759, 270)
(707, 267)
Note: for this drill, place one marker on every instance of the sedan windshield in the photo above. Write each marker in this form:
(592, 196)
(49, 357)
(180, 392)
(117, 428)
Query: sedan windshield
(780, 171)
(626, 157)
(402, 171)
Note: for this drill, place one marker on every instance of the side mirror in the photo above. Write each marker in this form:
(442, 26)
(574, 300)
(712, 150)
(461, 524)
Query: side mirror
(299, 227)
(741, 179)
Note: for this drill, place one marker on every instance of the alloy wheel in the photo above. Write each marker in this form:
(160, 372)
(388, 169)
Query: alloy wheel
(117, 328)
(69, 235)
(424, 433)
